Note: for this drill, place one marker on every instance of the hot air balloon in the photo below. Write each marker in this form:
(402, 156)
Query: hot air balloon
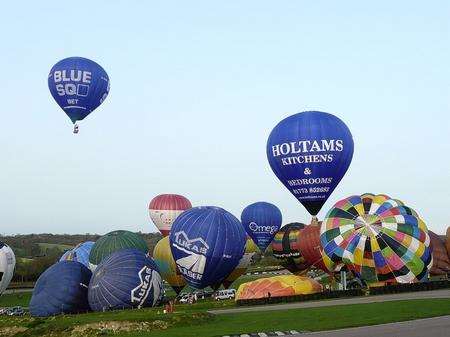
(261, 221)
(125, 279)
(80, 253)
(207, 243)
(244, 262)
(166, 265)
(285, 247)
(7, 264)
(165, 208)
(377, 238)
(447, 241)
(310, 152)
(310, 247)
(112, 242)
(278, 286)
(62, 288)
(441, 262)
(79, 86)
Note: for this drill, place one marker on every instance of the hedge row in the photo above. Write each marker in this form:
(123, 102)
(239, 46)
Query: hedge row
(300, 298)
(328, 294)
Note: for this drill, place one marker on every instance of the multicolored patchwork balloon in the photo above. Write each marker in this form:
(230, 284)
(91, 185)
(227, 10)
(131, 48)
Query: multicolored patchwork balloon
(378, 238)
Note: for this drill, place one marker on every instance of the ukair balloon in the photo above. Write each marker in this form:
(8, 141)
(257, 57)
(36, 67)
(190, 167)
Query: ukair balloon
(310, 152)
(61, 289)
(165, 208)
(125, 279)
(377, 238)
(244, 262)
(112, 242)
(166, 265)
(207, 244)
(261, 221)
(7, 264)
(285, 247)
(79, 86)
(80, 253)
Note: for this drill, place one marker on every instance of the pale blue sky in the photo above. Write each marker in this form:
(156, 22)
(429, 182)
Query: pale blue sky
(196, 88)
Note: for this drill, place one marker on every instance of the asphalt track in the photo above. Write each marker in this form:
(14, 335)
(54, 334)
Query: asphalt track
(445, 293)
(433, 327)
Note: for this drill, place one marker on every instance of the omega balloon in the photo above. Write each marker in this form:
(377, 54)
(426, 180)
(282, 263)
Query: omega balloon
(310, 152)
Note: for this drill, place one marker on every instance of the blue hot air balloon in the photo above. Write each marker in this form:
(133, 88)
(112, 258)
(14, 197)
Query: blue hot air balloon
(80, 253)
(310, 153)
(62, 288)
(79, 86)
(207, 243)
(125, 279)
(261, 221)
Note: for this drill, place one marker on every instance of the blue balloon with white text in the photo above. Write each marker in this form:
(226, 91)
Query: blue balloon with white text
(310, 152)
(78, 85)
(261, 221)
(207, 244)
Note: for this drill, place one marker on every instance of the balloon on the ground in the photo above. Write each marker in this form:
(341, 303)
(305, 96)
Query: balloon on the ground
(207, 243)
(61, 289)
(310, 247)
(310, 152)
(447, 241)
(244, 262)
(166, 265)
(165, 208)
(285, 247)
(377, 238)
(78, 85)
(441, 262)
(261, 221)
(79, 253)
(125, 279)
(114, 241)
(278, 286)
(7, 264)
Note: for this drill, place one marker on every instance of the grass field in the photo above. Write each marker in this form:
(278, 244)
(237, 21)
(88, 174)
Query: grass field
(62, 248)
(193, 320)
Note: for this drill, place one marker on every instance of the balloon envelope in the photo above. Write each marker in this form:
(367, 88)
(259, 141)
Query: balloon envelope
(62, 288)
(114, 241)
(378, 238)
(7, 264)
(78, 85)
(125, 279)
(244, 262)
(261, 221)
(162, 255)
(207, 244)
(285, 247)
(441, 262)
(80, 253)
(310, 247)
(165, 208)
(310, 152)
(278, 286)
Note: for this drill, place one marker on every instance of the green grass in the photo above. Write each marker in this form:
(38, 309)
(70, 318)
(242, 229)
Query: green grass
(17, 299)
(194, 321)
(45, 246)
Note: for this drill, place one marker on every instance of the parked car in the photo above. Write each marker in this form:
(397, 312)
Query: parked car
(15, 311)
(225, 294)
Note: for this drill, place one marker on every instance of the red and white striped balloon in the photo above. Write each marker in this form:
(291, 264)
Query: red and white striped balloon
(165, 208)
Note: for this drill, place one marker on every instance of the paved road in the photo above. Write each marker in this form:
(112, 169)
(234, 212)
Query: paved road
(433, 327)
(18, 290)
(445, 293)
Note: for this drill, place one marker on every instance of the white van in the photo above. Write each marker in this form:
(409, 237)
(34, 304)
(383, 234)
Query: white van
(225, 294)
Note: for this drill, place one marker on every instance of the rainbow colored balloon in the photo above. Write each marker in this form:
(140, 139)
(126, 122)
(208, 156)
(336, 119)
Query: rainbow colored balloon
(378, 238)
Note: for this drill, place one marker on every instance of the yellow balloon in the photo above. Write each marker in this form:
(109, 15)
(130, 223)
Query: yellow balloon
(250, 250)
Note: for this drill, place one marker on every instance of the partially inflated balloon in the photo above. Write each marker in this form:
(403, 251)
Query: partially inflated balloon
(7, 264)
(244, 262)
(310, 247)
(207, 244)
(166, 265)
(310, 152)
(165, 208)
(261, 221)
(441, 262)
(80, 253)
(78, 85)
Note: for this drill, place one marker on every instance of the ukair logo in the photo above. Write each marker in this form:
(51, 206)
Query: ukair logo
(72, 82)
(298, 152)
(254, 227)
(193, 264)
(141, 292)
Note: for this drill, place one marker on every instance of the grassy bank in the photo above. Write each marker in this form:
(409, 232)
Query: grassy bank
(195, 321)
